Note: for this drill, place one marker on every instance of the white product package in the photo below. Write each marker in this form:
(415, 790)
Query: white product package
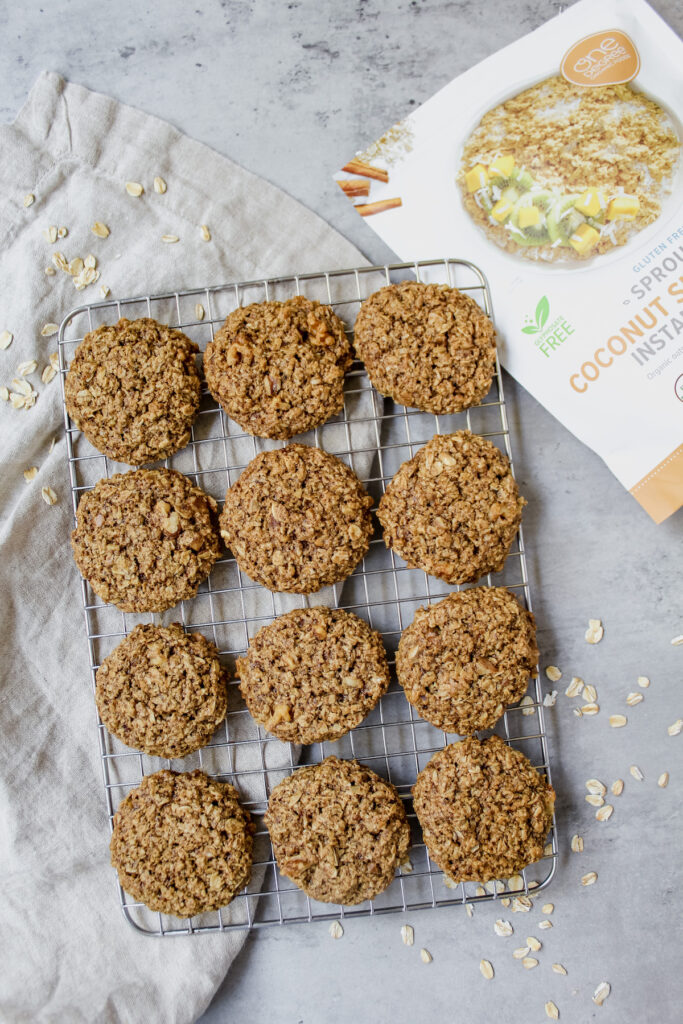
(556, 166)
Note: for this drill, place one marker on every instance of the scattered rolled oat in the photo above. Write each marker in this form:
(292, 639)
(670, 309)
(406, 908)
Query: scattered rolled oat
(604, 813)
(601, 993)
(159, 185)
(594, 799)
(677, 640)
(49, 496)
(26, 368)
(577, 844)
(590, 694)
(88, 275)
(425, 956)
(469, 909)
(548, 850)
(553, 673)
(636, 773)
(104, 291)
(90, 261)
(4, 393)
(60, 261)
(22, 386)
(336, 930)
(551, 1010)
(618, 721)
(449, 883)
(595, 631)
(47, 330)
(54, 360)
(503, 928)
(617, 787)
(575, 687)
(559, 969)
(643, 681)
(533, 943)
(634, 698)
(50, 271)
(100, 229)
(170, 239)
(663, 780)
(674, 729)
(595, 786)
(30, 474)
(521, 904)
(50, 234)
(516, 883)
(134, 188)
(407, 934)
(520, 952)
(550, 699)
(590, 709)
(48, 374)
(545, 923)
(62, 232)
(547, 908)
(29, 199)
(529, 962)
(6, 338)
(578, 712)
(199, 311)
(479, 891)
(505, 902)
(527, 705)
(494, 887)
(206, 234)
(486, 969)
(406, 867)
(590, 878)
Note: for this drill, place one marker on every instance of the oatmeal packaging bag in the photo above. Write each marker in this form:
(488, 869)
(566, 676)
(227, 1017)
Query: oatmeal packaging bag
(555, 165)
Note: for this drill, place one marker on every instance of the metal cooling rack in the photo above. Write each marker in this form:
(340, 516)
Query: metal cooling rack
(373, 436)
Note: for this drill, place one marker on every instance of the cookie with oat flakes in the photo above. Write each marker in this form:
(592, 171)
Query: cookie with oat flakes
(297, 519)
(162, 690)
(463, 659)
(484, 810)
(453, 509)
(428, 346)
(133, 389)
(146, 539)
(313, 674)
(338, 831)
(277, 368)
(182, 843)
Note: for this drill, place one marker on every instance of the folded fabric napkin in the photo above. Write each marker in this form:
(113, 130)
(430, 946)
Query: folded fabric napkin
(68, 953)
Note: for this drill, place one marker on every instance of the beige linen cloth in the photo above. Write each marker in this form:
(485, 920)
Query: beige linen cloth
(68, 955)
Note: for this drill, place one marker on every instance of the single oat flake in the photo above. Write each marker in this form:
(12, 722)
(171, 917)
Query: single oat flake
(663, 780)
(617, 787)
(553, 673)
(407, 934)
(486, 969)
(559, 969)
(618, 721)
(676, 727)
(590, 878)
(577, 844)
(199, 311)
(29, 199)
(677, 640)
(503, 928)
(469, 909)
(527, 705)
(336, 930)
(590, 694)
(134, 188)
(6, 338)
(636, 772)
(545, 923)
(601, 993)
(643, 681)
(551, 1010)
(547, 908)
(48, 374)
(634, 698)
(520, 952)
(595, 786)
(26, 368)
(533, 943)
(594, 799)
(30, 474)
(550, 699)
(47, 330)
(206, 234)
(575, 687)
(595, 631)
(590, 709)
(169, 239)
(159, 185)
(529, 962)
(604, 813)
(4, 393)
(104, 291)
(49, 496)
(425, 956)
(100, 229)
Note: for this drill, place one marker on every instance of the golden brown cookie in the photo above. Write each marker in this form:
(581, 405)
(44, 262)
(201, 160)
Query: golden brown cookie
(313, 674)
(427, 346)
(182, 843)
(338, 831)
(162, 690)
(146, 539)
(297, 519)
(133, 389)
(277, 368)
(463, 659)
(453, 509)
(484, 810)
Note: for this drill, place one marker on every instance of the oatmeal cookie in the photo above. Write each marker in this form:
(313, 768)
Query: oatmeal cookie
(484, 810)
(297, 519)
(182, 843)
(277, 368)
(453, 509)
(462, 660)
(427, 346)
(338, 831)
(313, 674)
(146, 539)
(162, 690)
(133, 389)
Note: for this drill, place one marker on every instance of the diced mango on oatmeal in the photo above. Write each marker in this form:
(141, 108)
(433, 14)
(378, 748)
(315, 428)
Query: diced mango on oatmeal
(476, 178)
(623, 208)
(591, 203)
(502, 210)
(584, 238)
(501, 167)
(528, 216)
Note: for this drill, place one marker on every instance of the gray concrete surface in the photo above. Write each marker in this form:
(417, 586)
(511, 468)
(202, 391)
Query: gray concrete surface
(290, 90)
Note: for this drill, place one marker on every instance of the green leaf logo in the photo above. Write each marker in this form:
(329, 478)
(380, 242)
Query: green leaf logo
(542, 312)
(531, 330)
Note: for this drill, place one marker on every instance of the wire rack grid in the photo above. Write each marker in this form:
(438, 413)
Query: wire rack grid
(372, 435)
